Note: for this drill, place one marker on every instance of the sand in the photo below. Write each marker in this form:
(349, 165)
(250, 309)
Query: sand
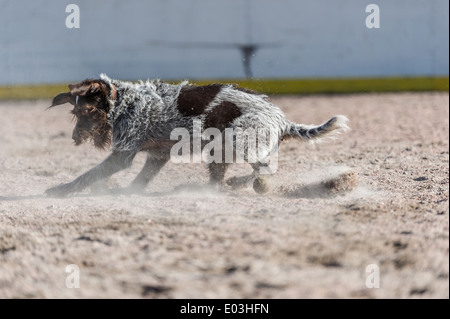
(378, 195)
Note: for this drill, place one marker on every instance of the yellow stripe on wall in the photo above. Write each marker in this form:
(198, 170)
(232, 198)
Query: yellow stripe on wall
(271, 86)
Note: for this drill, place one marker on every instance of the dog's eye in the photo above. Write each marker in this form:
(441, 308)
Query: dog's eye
(84, 112)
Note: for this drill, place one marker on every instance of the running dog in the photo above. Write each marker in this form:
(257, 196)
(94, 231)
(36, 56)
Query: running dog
(134, 117)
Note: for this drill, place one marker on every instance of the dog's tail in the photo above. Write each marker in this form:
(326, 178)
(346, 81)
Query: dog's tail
(336, 125)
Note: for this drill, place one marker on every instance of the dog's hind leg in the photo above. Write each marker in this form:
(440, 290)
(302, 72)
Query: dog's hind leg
(151, 168)
(261, 182)
(217, 172)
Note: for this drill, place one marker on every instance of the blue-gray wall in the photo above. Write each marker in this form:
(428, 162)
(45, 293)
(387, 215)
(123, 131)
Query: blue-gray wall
(200, 39)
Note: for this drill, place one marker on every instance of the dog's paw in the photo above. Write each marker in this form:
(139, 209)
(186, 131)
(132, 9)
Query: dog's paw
(60, 191)
(261, 185)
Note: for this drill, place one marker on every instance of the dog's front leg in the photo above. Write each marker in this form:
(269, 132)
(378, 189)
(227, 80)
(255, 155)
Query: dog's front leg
(149, 171)
(115, 162)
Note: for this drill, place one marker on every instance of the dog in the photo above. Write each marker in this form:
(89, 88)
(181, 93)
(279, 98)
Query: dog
(133, 117)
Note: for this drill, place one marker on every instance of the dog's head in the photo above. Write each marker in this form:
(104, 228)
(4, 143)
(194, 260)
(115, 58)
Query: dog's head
(91, 106)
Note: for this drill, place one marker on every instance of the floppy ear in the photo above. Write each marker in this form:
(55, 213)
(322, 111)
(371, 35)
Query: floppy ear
(63, 98)
(84, 88)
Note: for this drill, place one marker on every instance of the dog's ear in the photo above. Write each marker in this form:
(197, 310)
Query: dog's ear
(63, 98)
(87, 87)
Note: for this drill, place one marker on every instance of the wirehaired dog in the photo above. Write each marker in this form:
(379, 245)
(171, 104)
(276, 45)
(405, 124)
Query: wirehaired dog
(135, 117)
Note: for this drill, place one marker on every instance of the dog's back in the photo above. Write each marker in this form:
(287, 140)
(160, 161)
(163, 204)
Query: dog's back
(150, 111)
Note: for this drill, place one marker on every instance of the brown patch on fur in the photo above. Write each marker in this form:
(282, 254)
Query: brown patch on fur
(193, 100)
(88, 87)
(113, 92)
(222, 115)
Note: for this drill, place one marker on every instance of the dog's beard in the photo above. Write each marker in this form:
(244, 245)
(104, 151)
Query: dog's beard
(100, 133)
(101, 137)
(83, 136)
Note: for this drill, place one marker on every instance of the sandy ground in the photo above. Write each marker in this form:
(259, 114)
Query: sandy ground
(178, 241)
